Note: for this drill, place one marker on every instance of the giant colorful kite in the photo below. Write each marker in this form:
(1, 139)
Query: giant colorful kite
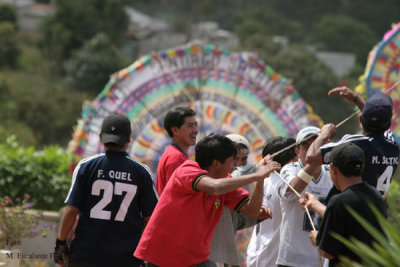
(232, 92)
(382, 73)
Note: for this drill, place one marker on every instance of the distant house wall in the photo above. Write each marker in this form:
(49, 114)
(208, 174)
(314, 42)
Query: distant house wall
(340, 63)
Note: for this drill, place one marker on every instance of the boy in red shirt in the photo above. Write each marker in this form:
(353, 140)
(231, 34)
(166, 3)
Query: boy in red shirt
(181, 126)
(180, 230)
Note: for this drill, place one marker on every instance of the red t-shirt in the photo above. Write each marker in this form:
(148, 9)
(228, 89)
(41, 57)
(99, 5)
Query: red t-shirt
(180, 230)
(170, 160)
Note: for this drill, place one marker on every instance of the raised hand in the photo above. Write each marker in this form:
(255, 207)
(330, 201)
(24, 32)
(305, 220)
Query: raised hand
(265, 213)
(344, 92)
(267, 165)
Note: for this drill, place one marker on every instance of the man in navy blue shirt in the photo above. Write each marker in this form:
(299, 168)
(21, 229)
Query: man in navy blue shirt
(380, 150)
(114, 197)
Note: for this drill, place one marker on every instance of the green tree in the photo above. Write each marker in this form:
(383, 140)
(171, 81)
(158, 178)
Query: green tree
(52, 114)
(9, 51)
(312, 78)
(346, 34)
(90, 68)
(248, 28)
(76, 21)
(8, 14)
(266, 21)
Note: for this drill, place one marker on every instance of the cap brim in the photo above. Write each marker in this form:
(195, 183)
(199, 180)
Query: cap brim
(327, 159)
(110, 138)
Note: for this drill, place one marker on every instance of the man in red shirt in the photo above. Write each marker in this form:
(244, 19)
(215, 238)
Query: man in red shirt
(181, 126)
(180, 230)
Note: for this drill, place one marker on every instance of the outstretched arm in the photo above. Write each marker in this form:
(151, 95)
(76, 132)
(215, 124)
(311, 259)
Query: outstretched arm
(252, 207)
(224, 185)
(349, 95)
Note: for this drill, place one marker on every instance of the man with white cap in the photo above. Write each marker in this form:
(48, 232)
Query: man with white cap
(294, 246)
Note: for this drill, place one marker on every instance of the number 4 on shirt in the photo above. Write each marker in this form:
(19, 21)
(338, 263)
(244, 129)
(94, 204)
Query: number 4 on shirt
(383, 182)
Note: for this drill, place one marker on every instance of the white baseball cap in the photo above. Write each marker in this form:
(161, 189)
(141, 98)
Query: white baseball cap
(237, 138)
(303, 133)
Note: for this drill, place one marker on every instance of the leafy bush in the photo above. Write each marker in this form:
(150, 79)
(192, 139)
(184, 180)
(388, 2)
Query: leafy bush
(44, 175)
(8, 14)
(90, 67)
(9, 51)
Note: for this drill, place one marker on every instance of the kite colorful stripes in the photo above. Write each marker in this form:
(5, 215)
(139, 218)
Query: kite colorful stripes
(232, 92)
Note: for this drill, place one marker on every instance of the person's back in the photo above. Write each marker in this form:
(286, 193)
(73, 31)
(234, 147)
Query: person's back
(346, 161)
(110, 217)
(380, 150)
(114, 196)
(358, 198)
(180, 124)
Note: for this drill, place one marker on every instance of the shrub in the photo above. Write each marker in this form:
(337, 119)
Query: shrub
(44, 175)
(9, 51)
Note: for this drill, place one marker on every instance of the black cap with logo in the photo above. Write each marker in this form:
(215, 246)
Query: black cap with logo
(116, 128)
(348, 157)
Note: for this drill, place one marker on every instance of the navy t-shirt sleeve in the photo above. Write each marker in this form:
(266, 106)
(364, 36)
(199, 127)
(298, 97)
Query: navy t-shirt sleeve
(148, 197)
(77, 194)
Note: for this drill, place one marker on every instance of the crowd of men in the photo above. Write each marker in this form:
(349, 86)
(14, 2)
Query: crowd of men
(301, 199)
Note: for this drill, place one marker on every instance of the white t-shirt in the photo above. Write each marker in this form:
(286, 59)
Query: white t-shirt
(295, 248)
(262, 250)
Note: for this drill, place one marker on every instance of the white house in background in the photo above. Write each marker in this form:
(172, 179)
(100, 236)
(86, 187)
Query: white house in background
(147, 34)
(339, 62)
(30, 14)
(209, 32)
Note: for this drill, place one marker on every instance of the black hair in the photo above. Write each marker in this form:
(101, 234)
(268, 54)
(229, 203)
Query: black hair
(176, 118)
(214, 146)
(277, 143)
(351, 172)
(371, 129)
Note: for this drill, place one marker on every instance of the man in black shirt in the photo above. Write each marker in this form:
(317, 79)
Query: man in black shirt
(347, 161)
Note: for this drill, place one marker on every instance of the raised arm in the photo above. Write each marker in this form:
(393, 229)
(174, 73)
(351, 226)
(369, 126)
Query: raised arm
(313, 159)
(314, 156)
(252, 207)
(348, 95)
(224, 185)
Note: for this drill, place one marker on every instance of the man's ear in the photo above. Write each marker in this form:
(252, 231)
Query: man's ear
(216, 163)
(296, 150)
(334, 169)
(174, 130)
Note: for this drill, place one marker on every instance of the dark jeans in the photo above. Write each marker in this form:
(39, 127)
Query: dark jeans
(203, 264)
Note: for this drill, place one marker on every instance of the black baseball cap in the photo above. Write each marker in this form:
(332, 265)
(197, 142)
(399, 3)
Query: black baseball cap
(377, 112)
(116, 128)
(348, 157)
